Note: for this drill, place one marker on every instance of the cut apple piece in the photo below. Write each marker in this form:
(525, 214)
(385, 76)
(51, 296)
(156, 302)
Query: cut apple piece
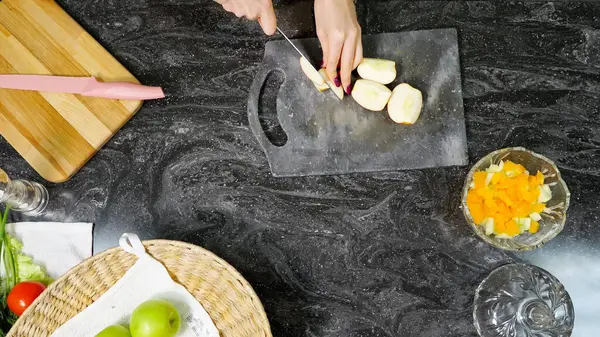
(321, 87)
(545, 194)
(378, 70)
(371, 95)
(405, 104)
(312, 73)
(338, 91)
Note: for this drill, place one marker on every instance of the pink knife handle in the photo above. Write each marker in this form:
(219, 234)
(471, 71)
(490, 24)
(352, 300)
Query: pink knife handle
(122, 90)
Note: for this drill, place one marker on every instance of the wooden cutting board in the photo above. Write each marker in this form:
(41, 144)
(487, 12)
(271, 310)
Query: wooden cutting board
(56, 133)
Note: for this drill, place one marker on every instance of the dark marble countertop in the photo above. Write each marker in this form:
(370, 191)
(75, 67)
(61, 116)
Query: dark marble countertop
(384, 254)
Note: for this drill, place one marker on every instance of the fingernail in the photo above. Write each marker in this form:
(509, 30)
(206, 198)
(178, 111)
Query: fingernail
(349, 89)
(337, 81)
(322, 64)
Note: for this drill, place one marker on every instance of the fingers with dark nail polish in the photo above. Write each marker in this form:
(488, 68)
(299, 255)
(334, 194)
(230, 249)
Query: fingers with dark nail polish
(337, 81)
(349, 89)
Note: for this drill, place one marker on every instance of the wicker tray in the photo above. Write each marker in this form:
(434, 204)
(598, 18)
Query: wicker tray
(225, 294)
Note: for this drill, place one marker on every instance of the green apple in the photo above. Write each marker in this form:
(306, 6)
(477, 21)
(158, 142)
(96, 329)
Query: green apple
(155, 318)
(114, 331)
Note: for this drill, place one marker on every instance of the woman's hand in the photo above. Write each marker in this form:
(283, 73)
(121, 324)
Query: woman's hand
(340, 36)
(261, 10)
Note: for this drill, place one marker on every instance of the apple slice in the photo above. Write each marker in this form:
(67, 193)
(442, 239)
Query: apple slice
(321, 87)
(371, 95)
(311, 73)
(378, 70)
(337, 90)
(405, 104)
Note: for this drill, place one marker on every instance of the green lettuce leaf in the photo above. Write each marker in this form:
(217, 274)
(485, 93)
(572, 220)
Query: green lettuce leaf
(27, 270)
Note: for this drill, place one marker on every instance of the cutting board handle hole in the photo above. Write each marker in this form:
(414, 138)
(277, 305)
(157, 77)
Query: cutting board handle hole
(267, 108)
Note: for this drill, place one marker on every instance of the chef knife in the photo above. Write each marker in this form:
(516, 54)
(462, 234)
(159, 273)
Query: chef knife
(85, 86)
(301, 54)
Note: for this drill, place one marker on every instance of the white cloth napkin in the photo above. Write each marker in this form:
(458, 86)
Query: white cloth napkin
(54, 245)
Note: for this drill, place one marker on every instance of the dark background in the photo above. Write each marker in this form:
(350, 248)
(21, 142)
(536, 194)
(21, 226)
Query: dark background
(384, 254)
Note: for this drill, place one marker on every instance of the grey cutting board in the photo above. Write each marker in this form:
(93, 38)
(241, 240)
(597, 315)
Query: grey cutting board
(326, 136)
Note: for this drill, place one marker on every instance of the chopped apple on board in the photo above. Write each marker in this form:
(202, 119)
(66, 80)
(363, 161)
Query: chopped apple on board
(378, 70)
(313, 74)
(319, 78)
(371, 95)
(337, 90)
(405, 104)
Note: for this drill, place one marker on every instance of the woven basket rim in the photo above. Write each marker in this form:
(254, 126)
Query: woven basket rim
(155, 242)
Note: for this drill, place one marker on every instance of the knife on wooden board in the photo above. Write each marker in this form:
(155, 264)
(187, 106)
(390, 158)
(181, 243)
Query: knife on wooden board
(332, 90)
(85, 86)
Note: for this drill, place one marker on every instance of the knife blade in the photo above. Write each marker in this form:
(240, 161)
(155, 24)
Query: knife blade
(301, 54)
(85, 86)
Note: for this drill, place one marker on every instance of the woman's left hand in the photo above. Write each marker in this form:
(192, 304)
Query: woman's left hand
(340, 36)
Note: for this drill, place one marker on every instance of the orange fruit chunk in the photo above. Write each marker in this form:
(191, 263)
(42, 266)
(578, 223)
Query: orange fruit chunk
(535, 227)
(521, 210)
(490, 207)
(477, 213)
(473, 198)
(499, 228)
(496, 177)
(512, 228)
(485, 193)
(540, 178)
(479, 179)
(538, 208)
(504, 197)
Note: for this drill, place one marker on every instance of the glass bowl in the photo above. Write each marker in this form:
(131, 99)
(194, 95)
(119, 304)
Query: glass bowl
(521, 300)
(551, 224)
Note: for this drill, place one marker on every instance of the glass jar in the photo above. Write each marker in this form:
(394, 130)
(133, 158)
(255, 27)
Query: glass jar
(29, 198)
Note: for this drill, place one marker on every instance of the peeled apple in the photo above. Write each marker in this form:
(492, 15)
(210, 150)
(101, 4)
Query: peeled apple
(378, 70)
(319, 78)
(405, 104)
(371, 95)
(323, 86)
(337, 90)
(312, 73)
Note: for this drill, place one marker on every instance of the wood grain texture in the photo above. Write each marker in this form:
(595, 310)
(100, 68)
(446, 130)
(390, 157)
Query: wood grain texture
(56, 133)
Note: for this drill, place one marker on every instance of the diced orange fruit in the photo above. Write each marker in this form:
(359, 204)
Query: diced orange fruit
(496, 177)
(509, 166)
(479, 179)
(500, 221)
(538, 208)
(535, 227)
(522, 180)
(512, 228)
(473, 198)
(499, 228)
(540, 178)
(533, 181)
(477, 213)
(485, 192)
(509, 194)
(529, 197)
(521, 210)
(490, 207)
(504, 197)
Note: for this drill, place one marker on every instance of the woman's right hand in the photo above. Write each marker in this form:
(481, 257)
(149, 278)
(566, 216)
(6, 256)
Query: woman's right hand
(261, 10)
